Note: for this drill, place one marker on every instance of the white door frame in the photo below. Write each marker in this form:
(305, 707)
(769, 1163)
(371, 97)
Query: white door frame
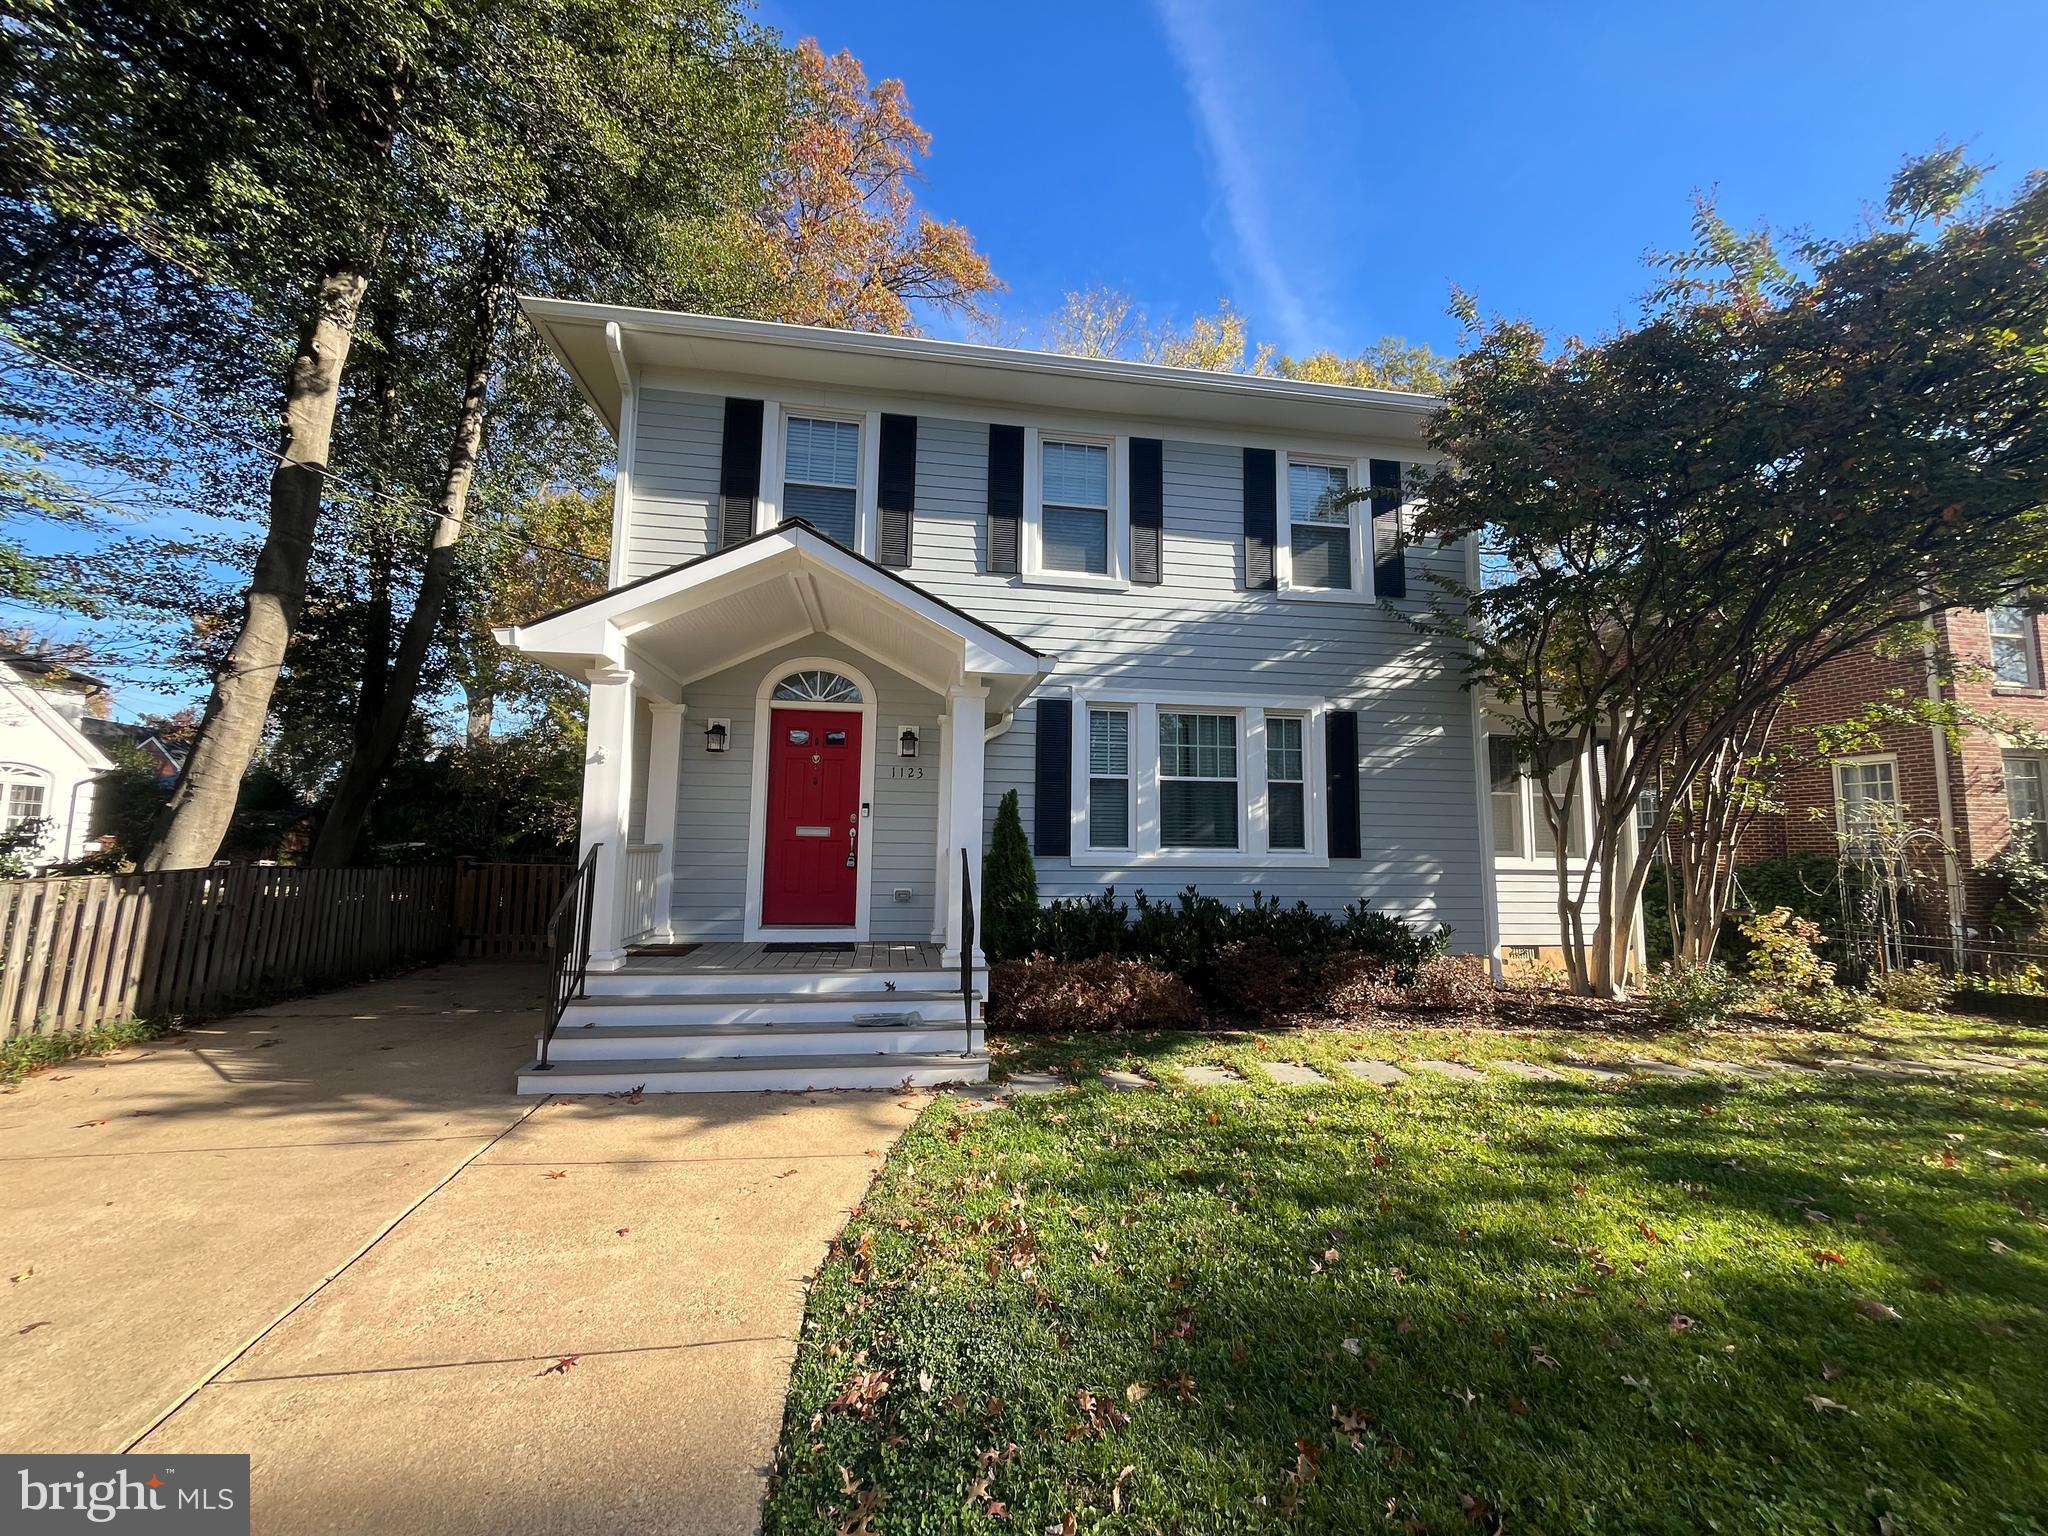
(757, 816)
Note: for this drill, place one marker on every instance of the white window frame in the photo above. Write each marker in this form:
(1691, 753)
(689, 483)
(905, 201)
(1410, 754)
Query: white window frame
(2029, 645)
(2040, 765)
(12, 774)
(1889, 759)
(1356, 472)
(775, 415)
(1254, 850)
(1033, 571)
(1531, 800)
(1266, 800)
(1130, 776)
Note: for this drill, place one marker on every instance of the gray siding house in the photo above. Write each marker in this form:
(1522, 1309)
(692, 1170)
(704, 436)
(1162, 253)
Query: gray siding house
(862, 586)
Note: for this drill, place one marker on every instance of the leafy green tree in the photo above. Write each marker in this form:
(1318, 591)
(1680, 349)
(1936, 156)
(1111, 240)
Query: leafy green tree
(1009, 897)
(1791, 455)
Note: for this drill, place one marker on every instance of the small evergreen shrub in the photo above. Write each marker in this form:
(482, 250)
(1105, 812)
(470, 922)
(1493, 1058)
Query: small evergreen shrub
(1009, 897)
(1041, 995)
(1692, 996)
(1919, 988)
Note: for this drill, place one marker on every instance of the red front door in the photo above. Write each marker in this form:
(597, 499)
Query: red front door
(812, 868)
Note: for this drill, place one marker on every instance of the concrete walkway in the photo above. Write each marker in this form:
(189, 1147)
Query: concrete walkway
(328, 1235)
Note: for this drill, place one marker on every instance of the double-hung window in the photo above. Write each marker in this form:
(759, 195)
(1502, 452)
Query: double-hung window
(2026, 799)
(1074, 515)
(821, 475)
(1505, 794)
(1542, 835)
(27, 800)
(1109, 778)
(1520, 814)
(1286, 784)
(1866, 796)
(1320, 532)
(2014, 661)
(1199, 793)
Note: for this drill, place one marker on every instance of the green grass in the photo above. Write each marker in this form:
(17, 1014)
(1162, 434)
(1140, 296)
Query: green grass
(35, 1053)
(1522, 1306)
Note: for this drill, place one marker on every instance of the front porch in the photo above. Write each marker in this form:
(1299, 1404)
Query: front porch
(783, 799)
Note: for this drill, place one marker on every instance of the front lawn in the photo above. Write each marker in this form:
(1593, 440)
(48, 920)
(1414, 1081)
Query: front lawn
(1813, 1303)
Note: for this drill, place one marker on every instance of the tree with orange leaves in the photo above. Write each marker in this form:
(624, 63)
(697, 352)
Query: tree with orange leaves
(838, 239)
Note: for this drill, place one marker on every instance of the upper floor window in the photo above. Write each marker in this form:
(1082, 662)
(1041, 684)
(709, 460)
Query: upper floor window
(2014, 660)
(1074, 507)
(1319, 525)
(821, 475)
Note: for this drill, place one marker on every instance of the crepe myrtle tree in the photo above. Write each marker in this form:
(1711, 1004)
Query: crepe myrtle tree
(1792, 453)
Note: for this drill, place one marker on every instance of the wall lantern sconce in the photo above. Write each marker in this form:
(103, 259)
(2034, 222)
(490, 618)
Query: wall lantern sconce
(906, 744)
(716, 736)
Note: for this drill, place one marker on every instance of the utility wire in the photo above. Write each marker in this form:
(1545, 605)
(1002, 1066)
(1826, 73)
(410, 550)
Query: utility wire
(434, 514)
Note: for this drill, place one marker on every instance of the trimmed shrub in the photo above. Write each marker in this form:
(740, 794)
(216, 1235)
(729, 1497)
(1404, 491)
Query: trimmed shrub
(1693, 995)
(1041, 995)
(1256, 979)
(1919, 988)
(1453, 981)
(1009, 896)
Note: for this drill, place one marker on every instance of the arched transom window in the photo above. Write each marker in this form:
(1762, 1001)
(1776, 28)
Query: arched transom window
(818, 688)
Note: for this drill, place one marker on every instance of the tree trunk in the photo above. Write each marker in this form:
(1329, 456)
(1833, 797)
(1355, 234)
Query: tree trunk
(189, 830)
(371, 760)
(482, 708)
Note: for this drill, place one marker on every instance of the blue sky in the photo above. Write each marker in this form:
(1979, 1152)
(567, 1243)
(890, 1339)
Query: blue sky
(1334, 168)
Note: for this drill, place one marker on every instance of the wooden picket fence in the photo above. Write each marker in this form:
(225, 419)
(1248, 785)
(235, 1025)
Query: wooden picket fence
(501, 910)
(80, 951)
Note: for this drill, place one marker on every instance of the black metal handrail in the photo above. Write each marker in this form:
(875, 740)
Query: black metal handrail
(568, 930)
(967, 948)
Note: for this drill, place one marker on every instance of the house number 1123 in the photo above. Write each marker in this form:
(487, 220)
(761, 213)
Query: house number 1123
(906, 771)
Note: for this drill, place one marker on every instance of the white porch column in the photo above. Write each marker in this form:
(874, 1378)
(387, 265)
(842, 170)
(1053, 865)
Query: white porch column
(943, 855)
(607, 794)
(966, 711)
(664, 768)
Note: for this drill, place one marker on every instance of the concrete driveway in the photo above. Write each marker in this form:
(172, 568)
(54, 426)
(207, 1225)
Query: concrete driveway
(327, 1234)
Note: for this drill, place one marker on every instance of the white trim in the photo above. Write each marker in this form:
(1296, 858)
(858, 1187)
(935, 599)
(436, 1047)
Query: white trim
(2029, 638)
(1253, 850)
(1356, 473)
(1528, 799)
(755, 930)
(1482, 784)
(629, 437)
(1889, 759)
(1117, 515)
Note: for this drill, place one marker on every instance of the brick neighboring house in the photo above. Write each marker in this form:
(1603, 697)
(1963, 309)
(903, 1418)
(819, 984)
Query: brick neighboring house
(1970, 797)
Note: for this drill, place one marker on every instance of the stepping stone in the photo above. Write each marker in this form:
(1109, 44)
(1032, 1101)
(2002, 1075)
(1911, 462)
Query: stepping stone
(1453, 1069)
(1652, 1067)
(1210, 1077)
(979, 1106)
(1730, 1068)
(1864, 1068)
(1383, 1073)
(1125, 1082)
(1600, 1069)
(1530, 1071)
(1975, 1063)
(1294, 1074)
(1780, 1064)
(1033, 1082)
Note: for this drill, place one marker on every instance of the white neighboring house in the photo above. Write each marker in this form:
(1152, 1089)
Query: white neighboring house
(861, 586)
(47, 764)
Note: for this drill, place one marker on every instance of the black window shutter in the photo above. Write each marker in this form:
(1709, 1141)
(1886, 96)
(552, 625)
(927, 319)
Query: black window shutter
(1052, 804)
(1148, 510)
(896, 490)
(1340, 743)
(1261, 526)
(1005, 498)
(739, 471)
(1389, 544)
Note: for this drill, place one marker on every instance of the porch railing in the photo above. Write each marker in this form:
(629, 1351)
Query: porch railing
(568, 930)
(643, 868)
(967, 950)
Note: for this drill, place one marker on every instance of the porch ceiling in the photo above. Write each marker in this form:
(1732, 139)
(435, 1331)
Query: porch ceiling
(773, 590)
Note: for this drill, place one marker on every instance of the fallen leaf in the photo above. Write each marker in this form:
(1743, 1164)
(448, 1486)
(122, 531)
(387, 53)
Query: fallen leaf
(789, 1175)
(1353, 1347)
(1877, 1310)
(32, 1327)
(1680, 1323)
(559, 1173)
(1825, 1256)
(1537, 1357)
(1649, 1232)
(1136, 1392)
(1831, 1373)
(560, 1367)
(624, 1230)
(1821, 1404)
(1516, 1406)
(83, 1124)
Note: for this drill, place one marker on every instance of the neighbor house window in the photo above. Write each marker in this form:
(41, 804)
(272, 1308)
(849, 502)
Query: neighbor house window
(2026, 800)
(1319, 526)
(1109, 778)
(1198, 785)
(821, 475)
(26, 800)
(2013, 658)
(1646, 823)
(1286, 784)
(1866, 796)
(1074, 507)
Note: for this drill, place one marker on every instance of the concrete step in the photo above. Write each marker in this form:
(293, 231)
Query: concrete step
(762, 1007)
(757, 1074)
(784, 983)
(667, 1039)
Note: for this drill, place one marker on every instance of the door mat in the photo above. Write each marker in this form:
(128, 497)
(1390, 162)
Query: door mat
(807, 949)
(665, 951)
